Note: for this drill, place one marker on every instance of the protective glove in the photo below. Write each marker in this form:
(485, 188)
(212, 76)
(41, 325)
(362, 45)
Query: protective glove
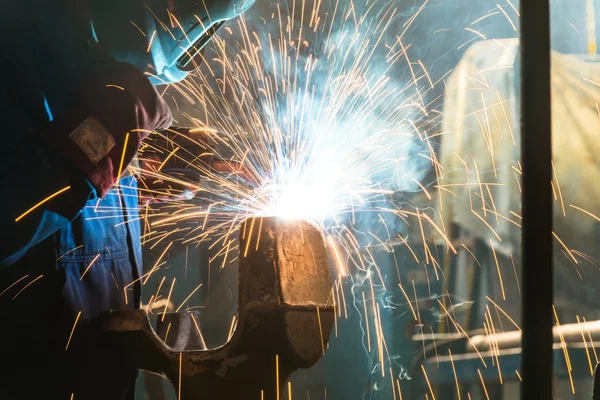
(176, 163)
(100, 136)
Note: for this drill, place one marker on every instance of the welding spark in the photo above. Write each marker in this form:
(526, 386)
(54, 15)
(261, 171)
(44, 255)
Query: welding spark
(322, 115)
(314, 124)
(319, 133)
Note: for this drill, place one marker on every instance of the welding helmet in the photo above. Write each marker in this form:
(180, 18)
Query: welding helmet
(162, 37)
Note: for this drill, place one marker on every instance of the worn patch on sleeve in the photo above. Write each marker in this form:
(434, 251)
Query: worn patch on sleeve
(93, 138)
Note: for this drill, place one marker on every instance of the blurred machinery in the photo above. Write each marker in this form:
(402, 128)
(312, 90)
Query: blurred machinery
(479, 351)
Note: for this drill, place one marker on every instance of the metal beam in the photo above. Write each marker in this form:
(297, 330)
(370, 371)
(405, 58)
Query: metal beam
(536, 157)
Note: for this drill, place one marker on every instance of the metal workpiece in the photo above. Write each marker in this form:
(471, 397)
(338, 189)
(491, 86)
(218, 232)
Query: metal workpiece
(285, 319)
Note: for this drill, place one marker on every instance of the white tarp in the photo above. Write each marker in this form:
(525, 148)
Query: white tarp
(480, 147)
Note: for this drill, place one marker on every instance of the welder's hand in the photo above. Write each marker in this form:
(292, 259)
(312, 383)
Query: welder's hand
(158, 184)
(176, 163)
(118, 107)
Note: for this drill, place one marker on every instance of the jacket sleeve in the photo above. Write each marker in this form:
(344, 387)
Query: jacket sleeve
(39, 196)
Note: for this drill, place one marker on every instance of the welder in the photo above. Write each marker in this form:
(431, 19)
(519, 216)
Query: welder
(77, 99)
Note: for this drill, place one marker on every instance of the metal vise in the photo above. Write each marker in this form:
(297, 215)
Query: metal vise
(284, 322)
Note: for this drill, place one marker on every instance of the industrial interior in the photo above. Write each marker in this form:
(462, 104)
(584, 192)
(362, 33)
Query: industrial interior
(301, 199)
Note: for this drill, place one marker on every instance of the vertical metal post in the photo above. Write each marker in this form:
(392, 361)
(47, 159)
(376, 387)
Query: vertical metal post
(536, 156)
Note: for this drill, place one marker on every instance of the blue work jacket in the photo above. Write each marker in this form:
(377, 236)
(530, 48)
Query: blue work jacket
(66, 259)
